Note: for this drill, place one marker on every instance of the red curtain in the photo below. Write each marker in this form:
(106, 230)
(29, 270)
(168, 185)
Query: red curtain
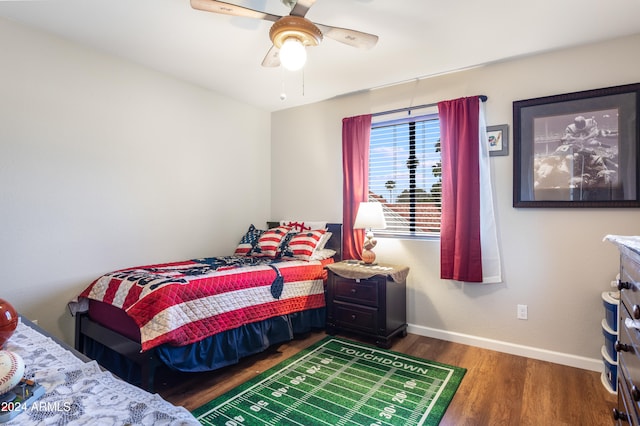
(355, 167)
(460, 250)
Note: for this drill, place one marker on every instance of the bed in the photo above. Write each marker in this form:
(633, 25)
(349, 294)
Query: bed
(204, 314)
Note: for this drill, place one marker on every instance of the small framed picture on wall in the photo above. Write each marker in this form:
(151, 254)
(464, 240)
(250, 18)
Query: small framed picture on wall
(498, 138)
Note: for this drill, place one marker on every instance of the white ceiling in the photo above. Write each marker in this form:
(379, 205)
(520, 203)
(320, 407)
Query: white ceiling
(418, 38)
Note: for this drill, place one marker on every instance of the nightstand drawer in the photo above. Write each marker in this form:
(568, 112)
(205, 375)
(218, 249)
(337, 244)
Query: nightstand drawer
(364, 291)
(356, 317)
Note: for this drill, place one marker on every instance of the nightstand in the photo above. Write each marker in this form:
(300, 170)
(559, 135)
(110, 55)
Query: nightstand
(367, 300)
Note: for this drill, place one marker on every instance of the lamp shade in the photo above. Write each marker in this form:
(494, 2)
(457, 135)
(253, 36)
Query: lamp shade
(370, 216)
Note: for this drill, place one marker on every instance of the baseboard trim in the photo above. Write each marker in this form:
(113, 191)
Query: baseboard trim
(510, 348)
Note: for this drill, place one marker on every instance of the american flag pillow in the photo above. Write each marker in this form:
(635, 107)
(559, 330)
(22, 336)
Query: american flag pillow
(248, 241)
(269, 242)
(303, 244)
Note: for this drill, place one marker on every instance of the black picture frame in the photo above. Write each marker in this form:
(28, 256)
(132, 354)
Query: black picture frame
(498, 139)
(578, 149)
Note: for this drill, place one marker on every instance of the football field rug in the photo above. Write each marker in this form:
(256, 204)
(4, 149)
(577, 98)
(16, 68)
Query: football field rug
(340, 382)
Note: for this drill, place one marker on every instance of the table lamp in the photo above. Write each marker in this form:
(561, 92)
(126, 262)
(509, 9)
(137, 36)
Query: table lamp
(369, 216)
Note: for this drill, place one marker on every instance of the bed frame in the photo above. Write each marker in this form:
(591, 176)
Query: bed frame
(148, 362)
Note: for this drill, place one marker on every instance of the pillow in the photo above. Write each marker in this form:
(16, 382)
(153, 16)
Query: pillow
(300, 225)
(322, 254)
(303, 244)
(269, 242)
(323, 241)
(248, 241)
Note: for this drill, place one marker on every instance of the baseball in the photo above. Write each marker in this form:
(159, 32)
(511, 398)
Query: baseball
(11, 370)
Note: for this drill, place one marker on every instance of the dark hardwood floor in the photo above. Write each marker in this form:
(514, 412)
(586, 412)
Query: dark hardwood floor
(498, 388)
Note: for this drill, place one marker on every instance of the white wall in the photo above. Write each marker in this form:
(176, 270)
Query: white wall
(554, 260)
(106, 165)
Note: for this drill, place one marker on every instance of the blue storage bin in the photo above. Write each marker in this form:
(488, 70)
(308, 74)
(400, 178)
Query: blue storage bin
(610, 372)
(610, 338)
(611, 310)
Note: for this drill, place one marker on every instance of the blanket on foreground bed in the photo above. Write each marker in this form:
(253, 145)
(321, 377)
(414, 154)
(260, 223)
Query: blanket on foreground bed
(184, 302)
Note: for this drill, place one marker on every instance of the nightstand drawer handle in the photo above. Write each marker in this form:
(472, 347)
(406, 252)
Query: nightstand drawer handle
(354, 291)
(353, 317)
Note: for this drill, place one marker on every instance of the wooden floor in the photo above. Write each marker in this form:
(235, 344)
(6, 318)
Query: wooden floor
(498, 388)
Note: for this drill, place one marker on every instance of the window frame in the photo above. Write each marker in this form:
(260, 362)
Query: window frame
(410, 232)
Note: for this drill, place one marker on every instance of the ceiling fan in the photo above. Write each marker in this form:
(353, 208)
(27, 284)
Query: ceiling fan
(291, 34)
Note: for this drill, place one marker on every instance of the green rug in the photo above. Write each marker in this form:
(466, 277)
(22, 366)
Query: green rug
(340, 382)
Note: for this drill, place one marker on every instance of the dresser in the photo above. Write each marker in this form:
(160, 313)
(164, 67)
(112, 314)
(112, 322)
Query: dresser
(367, 300)
(628, 343)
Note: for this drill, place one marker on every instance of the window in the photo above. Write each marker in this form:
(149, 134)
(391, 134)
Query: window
(405, 175)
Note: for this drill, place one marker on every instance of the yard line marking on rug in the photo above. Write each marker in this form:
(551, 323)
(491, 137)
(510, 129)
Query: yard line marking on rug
(387, 360)
(339, 382)
(364, 398)
(319, 387)
(270, 378)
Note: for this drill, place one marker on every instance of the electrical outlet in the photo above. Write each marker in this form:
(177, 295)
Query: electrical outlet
(522, 312)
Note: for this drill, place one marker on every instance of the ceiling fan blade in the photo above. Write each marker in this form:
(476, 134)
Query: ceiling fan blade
(231, 9)
(302, 7)
(351, 37)
(272, 58)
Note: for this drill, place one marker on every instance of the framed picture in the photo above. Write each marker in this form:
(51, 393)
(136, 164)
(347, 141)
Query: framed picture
(498, 137)
(578, 149)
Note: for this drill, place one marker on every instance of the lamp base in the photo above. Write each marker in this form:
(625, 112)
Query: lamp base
(368, 257)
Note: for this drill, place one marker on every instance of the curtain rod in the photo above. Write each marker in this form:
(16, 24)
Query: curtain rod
(483, 98)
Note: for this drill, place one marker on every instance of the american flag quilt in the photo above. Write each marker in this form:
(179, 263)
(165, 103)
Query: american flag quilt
(180, 303)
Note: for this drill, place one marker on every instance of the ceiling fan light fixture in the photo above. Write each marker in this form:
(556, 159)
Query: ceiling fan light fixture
(292, 34)
(294, 25)
(293, 55)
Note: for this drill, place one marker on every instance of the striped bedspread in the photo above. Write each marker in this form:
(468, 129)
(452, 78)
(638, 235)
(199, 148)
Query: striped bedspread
(183, 302)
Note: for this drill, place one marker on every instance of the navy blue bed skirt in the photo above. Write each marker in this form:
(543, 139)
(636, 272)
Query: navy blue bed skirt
(217, 351)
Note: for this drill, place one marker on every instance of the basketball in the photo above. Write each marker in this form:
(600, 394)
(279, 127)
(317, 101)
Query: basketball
(8, 321)
(11, 370)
